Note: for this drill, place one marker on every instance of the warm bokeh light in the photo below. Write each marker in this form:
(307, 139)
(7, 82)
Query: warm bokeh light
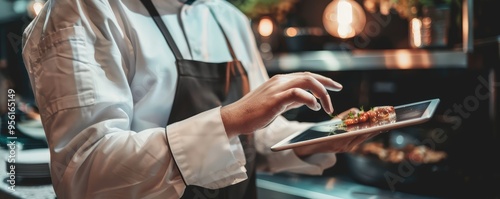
(385, 7)
(291, 32)
(265, 27)
(344, 18)
(403, 59)
(370, 6)
(408, 59)
(416, 32)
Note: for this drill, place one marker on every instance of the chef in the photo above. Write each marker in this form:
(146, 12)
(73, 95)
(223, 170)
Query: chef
(164, 99)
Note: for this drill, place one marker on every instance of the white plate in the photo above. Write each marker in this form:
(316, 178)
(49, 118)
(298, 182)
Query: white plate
(33, 156)
(32, 128)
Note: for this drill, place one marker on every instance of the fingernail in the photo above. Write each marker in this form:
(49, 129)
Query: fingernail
(337, 84)
(317, 106)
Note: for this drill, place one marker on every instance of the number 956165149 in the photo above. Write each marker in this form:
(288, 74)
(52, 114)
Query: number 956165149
(11, 108)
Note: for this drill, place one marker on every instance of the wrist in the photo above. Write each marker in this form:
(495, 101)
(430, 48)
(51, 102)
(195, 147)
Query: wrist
(229, 121)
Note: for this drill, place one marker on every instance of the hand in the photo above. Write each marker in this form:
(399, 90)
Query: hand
(342, 145)
(275, 96)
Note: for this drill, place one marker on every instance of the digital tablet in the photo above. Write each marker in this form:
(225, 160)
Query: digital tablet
(400, 116)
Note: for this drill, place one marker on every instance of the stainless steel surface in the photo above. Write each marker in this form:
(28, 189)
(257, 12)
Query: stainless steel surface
(367, 60)
(303, 186)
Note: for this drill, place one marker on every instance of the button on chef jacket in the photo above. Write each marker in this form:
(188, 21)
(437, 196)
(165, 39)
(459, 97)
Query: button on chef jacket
(104, 80)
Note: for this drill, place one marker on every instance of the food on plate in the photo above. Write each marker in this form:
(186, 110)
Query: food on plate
(375, 115)
(355, 120)
(416, 154)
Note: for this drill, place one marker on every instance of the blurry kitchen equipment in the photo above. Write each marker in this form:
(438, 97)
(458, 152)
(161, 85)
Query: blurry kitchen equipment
(30, 124)
(297, 38)
(431, 29)
(429, 21)
(406, 159)
(28, 127)
(32, 163)
(32, 128)
(32, 179)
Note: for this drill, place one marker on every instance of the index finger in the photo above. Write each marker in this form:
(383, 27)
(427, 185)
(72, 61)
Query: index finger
(319, 86)
(327, 82)
(309, 82)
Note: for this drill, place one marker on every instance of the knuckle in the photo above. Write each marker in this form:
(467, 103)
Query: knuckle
(309, 79)
(275, 78)
(307, 73)
(294, 92)
(306, 81)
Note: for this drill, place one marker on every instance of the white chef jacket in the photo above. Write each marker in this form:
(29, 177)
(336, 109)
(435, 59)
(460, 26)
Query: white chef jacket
(104, 80)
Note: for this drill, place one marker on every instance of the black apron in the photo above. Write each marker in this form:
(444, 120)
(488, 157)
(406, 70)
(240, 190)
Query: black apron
(202, 86)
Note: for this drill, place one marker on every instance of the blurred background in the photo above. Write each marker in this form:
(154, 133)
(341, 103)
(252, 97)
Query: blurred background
(384, 52)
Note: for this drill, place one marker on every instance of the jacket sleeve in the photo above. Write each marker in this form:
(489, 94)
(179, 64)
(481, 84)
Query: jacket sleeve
(87, 107)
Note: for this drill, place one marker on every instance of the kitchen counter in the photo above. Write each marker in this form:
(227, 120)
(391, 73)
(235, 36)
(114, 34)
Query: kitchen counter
(366, 60)
(277, 186)
(270, 186)
(293, 186)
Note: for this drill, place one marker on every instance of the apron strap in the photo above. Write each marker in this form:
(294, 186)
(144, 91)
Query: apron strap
(161, 25)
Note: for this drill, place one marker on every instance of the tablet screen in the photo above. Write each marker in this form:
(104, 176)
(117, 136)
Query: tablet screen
(411, 112)
(403, 113)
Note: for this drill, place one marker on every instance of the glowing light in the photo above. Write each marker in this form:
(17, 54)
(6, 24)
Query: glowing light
(344, 18)
(416, 32)
(265, 27)
(370, 6)
(400, 139)
(265, 47)
(403, 59)
(291, 32)
(344, 13)
(385, 7)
